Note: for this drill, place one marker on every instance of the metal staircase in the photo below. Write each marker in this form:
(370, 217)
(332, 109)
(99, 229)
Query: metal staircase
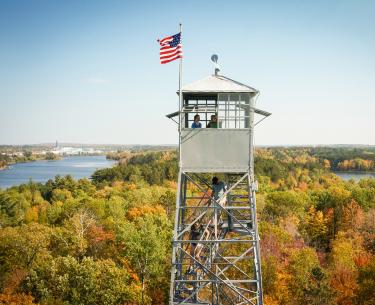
(222, 266)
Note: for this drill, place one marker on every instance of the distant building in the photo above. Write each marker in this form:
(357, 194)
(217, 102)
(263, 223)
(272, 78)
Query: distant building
(70, 151)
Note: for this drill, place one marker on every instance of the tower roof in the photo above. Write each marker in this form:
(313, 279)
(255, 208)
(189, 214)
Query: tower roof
(217, 84)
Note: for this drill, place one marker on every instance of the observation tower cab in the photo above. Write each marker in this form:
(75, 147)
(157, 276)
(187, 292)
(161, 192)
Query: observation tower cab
(225, 147)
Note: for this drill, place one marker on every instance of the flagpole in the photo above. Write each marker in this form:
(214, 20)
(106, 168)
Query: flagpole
(180, 101)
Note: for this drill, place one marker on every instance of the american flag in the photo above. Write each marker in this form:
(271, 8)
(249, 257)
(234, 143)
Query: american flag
(170, 48)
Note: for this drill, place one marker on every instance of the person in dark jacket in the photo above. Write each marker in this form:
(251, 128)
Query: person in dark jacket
(213, 122)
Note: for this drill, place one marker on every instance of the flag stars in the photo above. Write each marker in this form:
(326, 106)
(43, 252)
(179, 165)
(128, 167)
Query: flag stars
(171, 48)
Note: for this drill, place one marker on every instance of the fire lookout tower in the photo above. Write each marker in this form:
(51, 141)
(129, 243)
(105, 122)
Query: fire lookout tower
(216, 255)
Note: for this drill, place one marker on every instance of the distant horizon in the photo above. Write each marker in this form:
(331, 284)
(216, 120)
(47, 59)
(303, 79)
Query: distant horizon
(175, 145)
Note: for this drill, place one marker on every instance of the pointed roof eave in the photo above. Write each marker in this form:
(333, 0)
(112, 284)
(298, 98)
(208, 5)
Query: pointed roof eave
(217, 84)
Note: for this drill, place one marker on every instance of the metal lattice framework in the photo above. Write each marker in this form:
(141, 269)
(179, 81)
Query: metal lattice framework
(216, 254)
(223, 266)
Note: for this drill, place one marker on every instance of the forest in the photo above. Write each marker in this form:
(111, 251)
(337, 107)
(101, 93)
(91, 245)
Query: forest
(107, 240)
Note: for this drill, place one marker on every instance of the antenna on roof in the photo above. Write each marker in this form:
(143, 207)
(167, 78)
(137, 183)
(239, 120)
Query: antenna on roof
(214, 59)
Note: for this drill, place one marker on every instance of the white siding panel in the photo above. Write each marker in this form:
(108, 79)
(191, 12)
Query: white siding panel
(215, 150)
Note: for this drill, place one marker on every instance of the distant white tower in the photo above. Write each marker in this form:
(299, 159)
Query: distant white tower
(216, 255)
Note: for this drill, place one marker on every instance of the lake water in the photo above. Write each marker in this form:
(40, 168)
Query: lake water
(41, 171)
(355, 175)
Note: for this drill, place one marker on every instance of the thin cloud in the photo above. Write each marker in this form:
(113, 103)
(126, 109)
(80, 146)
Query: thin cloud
(97, 80)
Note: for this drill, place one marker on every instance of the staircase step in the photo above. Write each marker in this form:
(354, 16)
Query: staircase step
(236, 224)
(178, 303)
(237, 208)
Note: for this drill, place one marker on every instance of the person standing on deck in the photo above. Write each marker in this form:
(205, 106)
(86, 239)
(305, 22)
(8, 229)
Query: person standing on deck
(196, 123)
(213, 122)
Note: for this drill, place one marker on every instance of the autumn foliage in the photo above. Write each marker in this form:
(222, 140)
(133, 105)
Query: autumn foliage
(107, 241)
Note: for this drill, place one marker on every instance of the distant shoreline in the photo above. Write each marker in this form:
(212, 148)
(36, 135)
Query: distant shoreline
(40, 171)
(25, 160)
(354, 172)
(39, 158)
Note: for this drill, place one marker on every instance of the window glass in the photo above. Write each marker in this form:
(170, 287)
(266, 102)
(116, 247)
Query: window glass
(233, 110)
(204, 106)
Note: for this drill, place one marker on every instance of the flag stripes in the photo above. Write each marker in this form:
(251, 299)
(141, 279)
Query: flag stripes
(170, 48)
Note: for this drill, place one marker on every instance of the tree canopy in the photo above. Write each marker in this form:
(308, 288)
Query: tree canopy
(108, 240)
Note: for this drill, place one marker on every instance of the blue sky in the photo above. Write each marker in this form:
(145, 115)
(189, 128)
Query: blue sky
(88, 71)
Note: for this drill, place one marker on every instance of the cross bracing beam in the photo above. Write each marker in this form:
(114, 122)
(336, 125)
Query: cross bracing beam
(220, 267)
(216, 278)
(216, 202)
